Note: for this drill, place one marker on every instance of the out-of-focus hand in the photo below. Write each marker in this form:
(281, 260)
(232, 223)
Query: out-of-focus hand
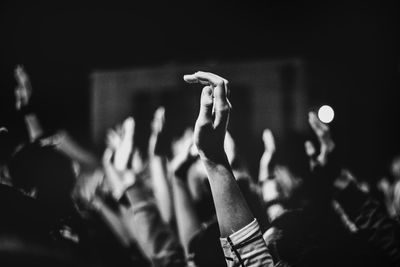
(116, 182)
(113, 139)
(157, 127)
(185, 154)
(211, 124)
(118, 177)
(123, 151)
(323, 134)
(86, 187)
(23, 90)
(269, 150)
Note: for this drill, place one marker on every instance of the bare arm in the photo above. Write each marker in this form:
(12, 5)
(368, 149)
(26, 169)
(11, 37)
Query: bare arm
(231, 208)
(187, 220)
(23, 93)
(158, 168)
(241, 240)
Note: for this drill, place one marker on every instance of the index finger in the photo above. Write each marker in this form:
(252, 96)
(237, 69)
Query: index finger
(205, 78)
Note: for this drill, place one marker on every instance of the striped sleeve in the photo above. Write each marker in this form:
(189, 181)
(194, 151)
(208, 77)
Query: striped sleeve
(246, 247)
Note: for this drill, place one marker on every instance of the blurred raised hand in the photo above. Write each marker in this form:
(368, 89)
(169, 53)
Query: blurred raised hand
(118, 177)
(123, 151)
(158, 166)
(325, 140)
(157, 128)
(23, 90)
(185, 154)
(269, 151)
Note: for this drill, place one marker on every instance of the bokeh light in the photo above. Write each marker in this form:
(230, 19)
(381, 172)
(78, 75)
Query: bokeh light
(326, 114)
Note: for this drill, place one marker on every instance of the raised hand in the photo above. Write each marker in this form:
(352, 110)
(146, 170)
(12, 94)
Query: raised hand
(120, 145)
(113, 139)
(232, 211)
(158, 167)
(269, 151)
(310, 149)
(211, 124)
(157, 127)
(324, 137)
(116, 182)
(23, 91)
(123, 151)
(185, 154)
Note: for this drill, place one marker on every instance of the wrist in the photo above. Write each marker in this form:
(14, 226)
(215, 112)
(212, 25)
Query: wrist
(26, 109)
(216, 159)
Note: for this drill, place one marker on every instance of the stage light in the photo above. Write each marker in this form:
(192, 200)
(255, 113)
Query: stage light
(326, 114)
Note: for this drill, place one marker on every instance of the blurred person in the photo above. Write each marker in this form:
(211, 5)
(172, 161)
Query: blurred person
(38, 211)
(139, 219)
(389, 187)
(61, 139)
(277, 181)
(354, 232)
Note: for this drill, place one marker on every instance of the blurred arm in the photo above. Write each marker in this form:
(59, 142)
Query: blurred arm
(158, 168)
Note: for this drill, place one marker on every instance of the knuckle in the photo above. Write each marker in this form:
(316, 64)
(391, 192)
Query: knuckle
(220, 82)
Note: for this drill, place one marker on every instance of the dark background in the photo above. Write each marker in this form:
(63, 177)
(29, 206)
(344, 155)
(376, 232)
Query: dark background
(350, 50)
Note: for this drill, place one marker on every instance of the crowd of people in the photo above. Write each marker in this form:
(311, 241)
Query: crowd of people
(187, 202)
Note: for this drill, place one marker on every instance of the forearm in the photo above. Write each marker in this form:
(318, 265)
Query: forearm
(114, 220)
(76, 152)
(161, 187)
(187, 220)
(230, 205)
(33, 126)
(153, 236)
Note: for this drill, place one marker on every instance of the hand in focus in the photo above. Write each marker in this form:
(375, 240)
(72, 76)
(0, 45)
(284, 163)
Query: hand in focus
(157, 127)
(212, 122)
(269, 151)
(23, 91)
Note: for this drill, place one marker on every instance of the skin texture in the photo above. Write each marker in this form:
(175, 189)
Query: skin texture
(209, 134)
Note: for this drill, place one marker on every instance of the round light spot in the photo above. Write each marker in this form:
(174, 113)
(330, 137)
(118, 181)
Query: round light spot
(326, 114)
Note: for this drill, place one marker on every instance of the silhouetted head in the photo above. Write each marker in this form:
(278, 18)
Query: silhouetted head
(45, 171)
